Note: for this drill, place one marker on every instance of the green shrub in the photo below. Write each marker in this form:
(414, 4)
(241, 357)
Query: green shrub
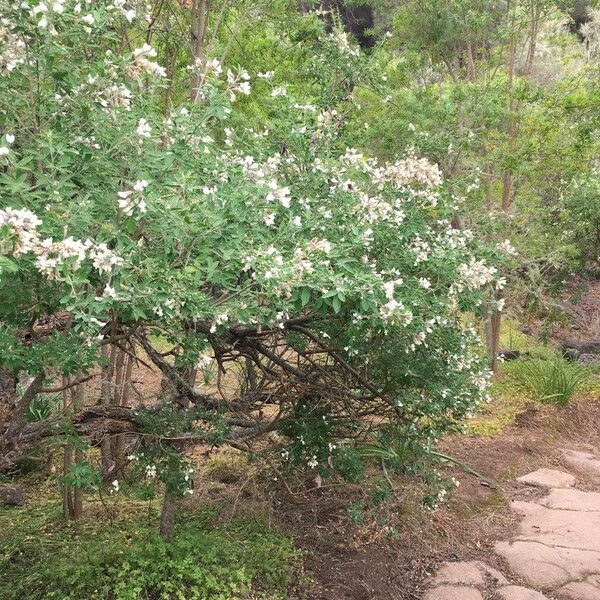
(550, 381)
(43, 558)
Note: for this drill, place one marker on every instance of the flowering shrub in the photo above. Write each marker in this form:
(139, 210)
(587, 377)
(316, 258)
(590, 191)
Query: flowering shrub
(337, 284)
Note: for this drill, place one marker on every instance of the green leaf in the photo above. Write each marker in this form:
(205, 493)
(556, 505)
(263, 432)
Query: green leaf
(304, 296)
(8, 265)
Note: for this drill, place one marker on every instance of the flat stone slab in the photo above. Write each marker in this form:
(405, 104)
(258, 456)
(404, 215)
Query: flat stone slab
(582, 460)
(473, 572)
(517, 592)
(453, 592)
(566, 528)
(564, 499)
(545, 566)
(583, 590)
(548, 478)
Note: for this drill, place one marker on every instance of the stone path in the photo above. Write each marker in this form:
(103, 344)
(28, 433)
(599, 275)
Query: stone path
(555, 554)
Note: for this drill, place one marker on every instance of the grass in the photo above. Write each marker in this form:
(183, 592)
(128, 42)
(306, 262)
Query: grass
(43, 557)
(550, 381)
(542, 376)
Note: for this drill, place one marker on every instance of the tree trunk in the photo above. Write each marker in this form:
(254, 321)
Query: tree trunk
(167, 516)
(106, 391)
(492, 334)
(198, 33)
(535, 21)
(68, 508)
(512, 125)
(8, 396)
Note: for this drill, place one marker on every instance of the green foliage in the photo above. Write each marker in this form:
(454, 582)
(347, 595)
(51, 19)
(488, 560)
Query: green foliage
(43, 559)
(82, 475)
(550, 381)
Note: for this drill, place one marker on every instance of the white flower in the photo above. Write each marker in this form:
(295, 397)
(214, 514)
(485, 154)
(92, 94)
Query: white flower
(213, 66)
(89, 19)
(4, 150)
(205, 362)
(266, 75)
(279, 91)
(10, 138)
(140, 185)
(269, 219)
(312, 463)
(297, 222)
(109, 292)
(151, 471)
(143, 129)
(115, 486)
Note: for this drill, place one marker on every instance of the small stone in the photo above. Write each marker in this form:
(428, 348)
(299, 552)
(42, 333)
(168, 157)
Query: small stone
(583, 590)
(550, 478)
(545, 566)
(582, 460)
(517, 592)
(572, 500)
(11, 496)
(453, 592)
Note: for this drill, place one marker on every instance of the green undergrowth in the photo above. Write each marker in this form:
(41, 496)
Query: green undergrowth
(43, 557)
(541, 375)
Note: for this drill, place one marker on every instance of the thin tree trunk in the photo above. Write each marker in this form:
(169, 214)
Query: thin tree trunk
(492, 334)
(123, 400)
(535, 21)
(489, 187)
(68, 508)
(167, 516)
(106, 391)
(198, 33)
(512, 125)
(8, 396)
(77, 395)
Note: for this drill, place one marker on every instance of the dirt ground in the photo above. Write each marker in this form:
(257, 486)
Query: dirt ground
(393, 553)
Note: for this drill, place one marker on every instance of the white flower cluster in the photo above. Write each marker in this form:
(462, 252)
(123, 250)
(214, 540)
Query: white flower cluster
(141, 63)
(114, 96)
(238, 84)
(143, 129)
(50, 255)
(121, 6)
(40, 12)
(507, 248)
(410, 170)
(132, 200)
(12, 50)
(340, 37)
(474, 275)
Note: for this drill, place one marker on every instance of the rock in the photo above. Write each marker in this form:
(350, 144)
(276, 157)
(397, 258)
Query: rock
(11, 496)
(582, 460)
(460, 573)
(572, 500)
(548, 478)
(507, 354)
(587, 359)
(517, 592)
(473, 572)
(453, 592)
(545, 566)
(583, 590)
(566, 528)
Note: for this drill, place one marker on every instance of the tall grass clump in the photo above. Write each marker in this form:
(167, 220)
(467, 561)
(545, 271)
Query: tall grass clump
(552, 381)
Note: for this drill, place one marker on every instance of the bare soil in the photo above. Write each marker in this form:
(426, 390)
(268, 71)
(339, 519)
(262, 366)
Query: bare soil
(391, 556)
